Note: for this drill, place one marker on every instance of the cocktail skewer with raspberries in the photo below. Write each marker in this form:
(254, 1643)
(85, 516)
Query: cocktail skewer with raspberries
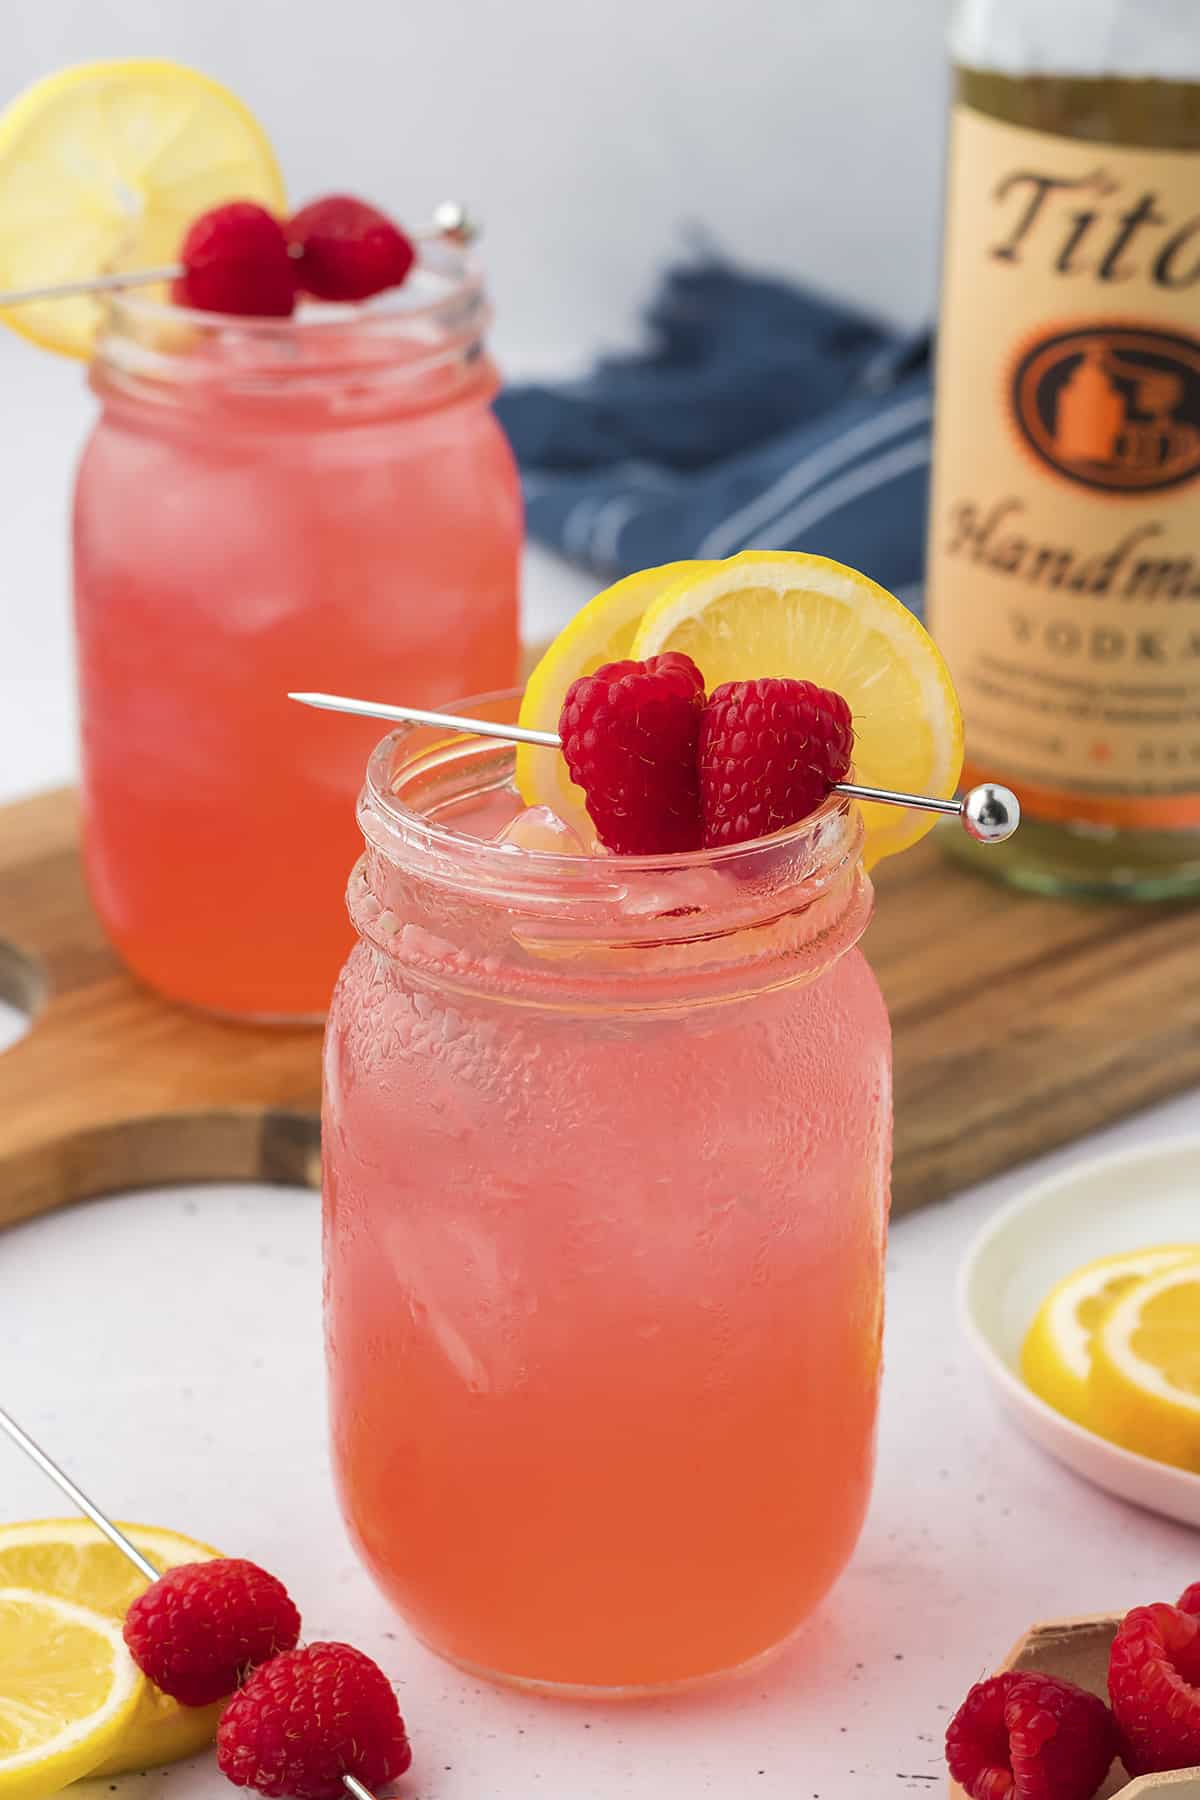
(665, 769)
(145, 173)
(309, 1722)
(243, 260)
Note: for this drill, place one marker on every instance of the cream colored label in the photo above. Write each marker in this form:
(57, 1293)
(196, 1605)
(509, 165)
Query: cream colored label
(1064, 554)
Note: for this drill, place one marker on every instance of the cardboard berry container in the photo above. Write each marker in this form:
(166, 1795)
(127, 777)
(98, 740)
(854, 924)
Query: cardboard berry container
(1077, 1650)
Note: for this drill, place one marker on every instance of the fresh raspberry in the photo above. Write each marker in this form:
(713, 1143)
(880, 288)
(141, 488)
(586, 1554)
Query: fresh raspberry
(197, 1629)
(1023, 1736)
(310, 1717)
(629, 735)
(1154, 1686)
(347, 249)
(1189, 1600)
(236, 260)
(770, 751)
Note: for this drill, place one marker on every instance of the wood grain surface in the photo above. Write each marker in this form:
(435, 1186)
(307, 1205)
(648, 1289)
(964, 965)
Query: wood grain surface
(112, 1087)
(1019, 1023)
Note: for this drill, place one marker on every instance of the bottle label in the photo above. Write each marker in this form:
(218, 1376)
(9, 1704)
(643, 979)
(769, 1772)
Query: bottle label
(1064, 551)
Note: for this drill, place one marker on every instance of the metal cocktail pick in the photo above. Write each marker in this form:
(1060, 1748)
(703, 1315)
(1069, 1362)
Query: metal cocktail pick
(450, 220)
(114, 1534)
(988, 813)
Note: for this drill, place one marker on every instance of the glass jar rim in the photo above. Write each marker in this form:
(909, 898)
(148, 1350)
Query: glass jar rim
(452, 271)
(424, 339)
(833, 833)
(630, 933)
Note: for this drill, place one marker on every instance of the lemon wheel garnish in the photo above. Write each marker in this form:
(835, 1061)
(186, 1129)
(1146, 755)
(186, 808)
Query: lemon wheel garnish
(68, 1560)
(103, 167)
(1056, 1359)
(1146, 1368)
(784, 613)
(68, 1688)
(600, 632)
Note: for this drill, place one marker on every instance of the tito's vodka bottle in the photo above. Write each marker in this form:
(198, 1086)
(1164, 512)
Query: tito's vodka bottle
(1064, 553)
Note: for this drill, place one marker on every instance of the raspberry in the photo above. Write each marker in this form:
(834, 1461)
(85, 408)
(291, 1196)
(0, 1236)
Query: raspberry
(197, 1629)
(1154, 1686)
(770, 751)
(235, 260)
(347, 249)
(629, 735)
(1189, 1600)
(1024, 1736)
(310, 1717)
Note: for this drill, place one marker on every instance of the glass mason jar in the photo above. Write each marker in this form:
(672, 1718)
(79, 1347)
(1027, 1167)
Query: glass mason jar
(607, 1146)
(321, 502)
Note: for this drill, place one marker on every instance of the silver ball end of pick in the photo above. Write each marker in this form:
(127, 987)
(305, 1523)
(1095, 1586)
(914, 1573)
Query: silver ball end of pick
(990, 813)
(455, 222)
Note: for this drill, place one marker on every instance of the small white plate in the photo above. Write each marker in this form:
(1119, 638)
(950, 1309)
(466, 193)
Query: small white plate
(1126, 1201)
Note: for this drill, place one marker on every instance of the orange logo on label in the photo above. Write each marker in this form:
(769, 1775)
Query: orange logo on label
(1113, 407)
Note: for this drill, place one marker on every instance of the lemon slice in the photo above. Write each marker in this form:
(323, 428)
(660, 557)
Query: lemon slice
(1146, 1368)
(67, 1559)
(601, 632)
(68, 1687)
(103, 167)
(1056, 1359)
(787, 614)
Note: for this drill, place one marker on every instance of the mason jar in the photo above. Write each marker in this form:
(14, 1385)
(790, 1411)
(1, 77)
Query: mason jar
(606, 1164)
(265, 505)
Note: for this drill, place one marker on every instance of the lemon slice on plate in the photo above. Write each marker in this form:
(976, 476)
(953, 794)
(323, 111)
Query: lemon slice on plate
(1056, 1358)
(600, 632)
(1146, 1368)
(784, 613)
(68, 1687)
(103, 167)
(67, 1559)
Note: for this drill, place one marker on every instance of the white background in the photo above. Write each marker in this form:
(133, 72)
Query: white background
(801, 136)
(197, 1402)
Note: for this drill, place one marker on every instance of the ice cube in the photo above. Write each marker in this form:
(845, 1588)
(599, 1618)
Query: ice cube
(677, 893)
(538, 828)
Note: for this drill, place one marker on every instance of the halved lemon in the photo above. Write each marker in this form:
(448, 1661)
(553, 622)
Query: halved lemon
(68, 1688)
(67, 1559)
(784, 613)
(103, 167)
(1056, 1359)
(1146, 1368)
(601, 632)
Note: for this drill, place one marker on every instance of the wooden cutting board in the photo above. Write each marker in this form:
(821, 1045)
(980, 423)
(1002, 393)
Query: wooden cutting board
(1019, 1023)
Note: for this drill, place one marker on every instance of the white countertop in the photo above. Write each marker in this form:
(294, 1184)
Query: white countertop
(166, 1345)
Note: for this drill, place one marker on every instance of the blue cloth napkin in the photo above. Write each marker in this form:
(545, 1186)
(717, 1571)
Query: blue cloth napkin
(762, 416)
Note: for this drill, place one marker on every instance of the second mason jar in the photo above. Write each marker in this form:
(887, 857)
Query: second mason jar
(324, 502)
(606, 1149)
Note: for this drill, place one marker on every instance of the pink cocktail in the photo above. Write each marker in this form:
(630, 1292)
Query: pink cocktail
(265, 505)
(606, 1179)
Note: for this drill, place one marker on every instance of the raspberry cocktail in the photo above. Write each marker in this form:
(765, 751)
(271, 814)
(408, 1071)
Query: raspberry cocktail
(295, 469)
(606, 1142)
(259, 500)
(607, 1157)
